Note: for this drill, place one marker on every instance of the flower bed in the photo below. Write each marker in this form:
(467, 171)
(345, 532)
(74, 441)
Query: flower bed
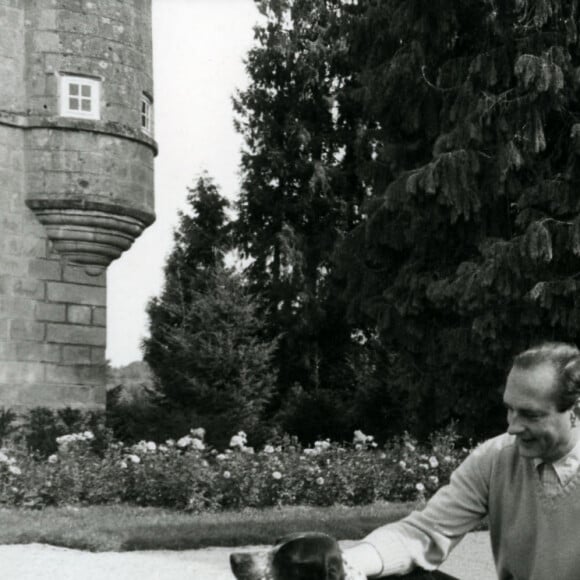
(185, 474)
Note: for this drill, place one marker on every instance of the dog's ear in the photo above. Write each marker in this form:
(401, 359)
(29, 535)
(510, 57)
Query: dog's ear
(308, 557)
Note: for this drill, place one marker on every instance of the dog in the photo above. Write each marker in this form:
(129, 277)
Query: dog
(306, 556)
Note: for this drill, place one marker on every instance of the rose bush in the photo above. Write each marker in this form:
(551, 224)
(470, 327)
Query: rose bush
(186, 474)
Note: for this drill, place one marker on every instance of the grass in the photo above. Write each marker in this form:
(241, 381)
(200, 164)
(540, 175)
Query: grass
(125, 528)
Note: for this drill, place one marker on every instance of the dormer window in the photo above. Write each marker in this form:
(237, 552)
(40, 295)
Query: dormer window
(80, 97)
(146, 114)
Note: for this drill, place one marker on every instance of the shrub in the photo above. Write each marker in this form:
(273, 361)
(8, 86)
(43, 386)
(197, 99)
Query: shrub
(422, 469)
(41, 427)
(187, 474)
(7, 424)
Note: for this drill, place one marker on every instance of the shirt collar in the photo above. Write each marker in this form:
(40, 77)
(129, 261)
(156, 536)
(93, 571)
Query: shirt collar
(566, 467)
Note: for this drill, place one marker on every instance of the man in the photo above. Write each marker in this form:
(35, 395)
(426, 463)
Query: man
(527, 481)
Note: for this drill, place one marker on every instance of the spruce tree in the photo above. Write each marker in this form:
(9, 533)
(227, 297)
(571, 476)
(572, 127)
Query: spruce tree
(298, 196)
(470, 250)
(205, 348)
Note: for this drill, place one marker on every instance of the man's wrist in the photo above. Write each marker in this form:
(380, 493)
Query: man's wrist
(364, 558)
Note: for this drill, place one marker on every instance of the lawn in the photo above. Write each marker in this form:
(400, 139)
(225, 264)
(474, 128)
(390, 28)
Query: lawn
(126, 528)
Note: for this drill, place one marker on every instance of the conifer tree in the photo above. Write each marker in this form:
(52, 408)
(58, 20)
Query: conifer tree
(469, 144)
(297, 196)
(205, 347)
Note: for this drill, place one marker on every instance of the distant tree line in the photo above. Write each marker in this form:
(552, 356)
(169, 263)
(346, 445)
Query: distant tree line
(408, 218)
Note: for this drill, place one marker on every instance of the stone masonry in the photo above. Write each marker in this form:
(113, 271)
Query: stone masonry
(74, 192)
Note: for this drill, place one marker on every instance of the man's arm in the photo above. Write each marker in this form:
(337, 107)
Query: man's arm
(425, 538)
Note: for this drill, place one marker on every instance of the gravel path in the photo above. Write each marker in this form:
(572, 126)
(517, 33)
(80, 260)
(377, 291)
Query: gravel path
(470, 560)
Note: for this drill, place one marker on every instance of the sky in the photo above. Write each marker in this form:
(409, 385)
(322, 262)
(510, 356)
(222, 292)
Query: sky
(198, 52)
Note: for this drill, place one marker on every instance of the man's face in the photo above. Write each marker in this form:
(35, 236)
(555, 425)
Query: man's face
(541, 430)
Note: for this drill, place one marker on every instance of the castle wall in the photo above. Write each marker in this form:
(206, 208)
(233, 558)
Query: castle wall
(74, 193)
(52, 314)
(109, 160)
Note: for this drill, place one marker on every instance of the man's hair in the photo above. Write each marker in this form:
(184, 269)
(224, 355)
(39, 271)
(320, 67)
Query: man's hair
(565, 359)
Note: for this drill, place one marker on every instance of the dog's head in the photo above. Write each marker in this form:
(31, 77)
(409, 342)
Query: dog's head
(309, 556)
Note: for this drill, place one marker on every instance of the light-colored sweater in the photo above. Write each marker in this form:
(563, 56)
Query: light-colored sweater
(534, 536)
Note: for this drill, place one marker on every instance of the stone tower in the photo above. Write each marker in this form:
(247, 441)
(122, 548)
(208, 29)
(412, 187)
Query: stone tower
(76, 186)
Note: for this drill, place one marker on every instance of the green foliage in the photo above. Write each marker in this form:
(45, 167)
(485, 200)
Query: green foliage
(206, 349)
(121, 528)
(7, 424)
(219, 366)
(409, 207)
(312, 415)
(381, 401)
(133, 409)
(174, 477)
(133, 416)
(297, 193)
(40, 427)
(188, 475)
(422, 468)
(468, 144)
(41, 431)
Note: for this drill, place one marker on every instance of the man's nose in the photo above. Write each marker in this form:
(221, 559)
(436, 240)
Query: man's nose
(515, 426)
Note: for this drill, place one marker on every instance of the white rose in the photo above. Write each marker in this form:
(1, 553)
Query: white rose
(184, 441)
(198, 433)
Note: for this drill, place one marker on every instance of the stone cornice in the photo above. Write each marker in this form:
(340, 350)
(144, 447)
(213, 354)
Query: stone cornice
(88, 233)
(43, 204)
(123, 131)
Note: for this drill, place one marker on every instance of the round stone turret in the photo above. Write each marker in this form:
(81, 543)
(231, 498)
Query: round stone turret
(76, 186)
(88, 120)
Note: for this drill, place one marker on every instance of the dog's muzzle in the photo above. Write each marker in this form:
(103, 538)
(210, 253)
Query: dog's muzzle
(252, 566)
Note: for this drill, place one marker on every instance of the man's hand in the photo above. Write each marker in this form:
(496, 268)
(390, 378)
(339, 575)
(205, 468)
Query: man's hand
(351, 572)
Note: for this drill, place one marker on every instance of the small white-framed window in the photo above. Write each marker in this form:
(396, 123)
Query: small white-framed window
(80, 97)
(146, 114)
